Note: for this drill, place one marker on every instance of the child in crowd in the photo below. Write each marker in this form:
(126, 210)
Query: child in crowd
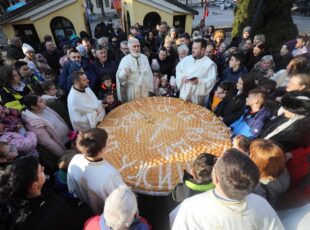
(197, 181)
(11, 120)
(61, 175)
(28, 77)
(252, 121)
(100, 177)
(173, 87)
(49, 75)
(230, 205)
(54, 102)
(274, 177)
(106, 86)
(7, 154)
(224, 88)
(109, 101)
(233, 107)
(25, 144)
(164, 87)
(30, 207)
(235, 68)
(270, 87)
(242, 143)
(156, 81)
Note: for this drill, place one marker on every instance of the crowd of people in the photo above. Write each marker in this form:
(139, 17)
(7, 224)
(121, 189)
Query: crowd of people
(52, 171)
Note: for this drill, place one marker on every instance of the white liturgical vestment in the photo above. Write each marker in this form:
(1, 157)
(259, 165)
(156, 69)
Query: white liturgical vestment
(140, 81)
(207, 211)
(85, 110)
(204, 69)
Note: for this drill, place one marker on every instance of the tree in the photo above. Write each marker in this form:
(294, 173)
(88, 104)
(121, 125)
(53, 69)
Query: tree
(271, 18)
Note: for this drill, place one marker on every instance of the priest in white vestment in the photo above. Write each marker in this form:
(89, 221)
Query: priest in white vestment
(134, 78)
(196, 75)
(85, 110)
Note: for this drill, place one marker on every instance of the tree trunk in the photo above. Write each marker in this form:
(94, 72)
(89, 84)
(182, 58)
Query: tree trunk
(102, 8)
(271, 18)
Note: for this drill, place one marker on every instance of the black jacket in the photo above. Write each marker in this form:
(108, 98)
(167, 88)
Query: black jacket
(53, 59)
(109, 68)
(13, 99)
(232, 108)
(48, 212)
(295, 136)
(166, 66)
(184, 190)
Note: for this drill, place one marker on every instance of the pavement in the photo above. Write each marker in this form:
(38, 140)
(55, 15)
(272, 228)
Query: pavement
(217, 17)
(224, 18)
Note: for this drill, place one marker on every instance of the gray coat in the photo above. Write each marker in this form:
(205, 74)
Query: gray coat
(272, 189)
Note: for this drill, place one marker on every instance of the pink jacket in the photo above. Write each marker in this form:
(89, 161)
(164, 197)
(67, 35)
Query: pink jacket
(25, 145)
(46, 134)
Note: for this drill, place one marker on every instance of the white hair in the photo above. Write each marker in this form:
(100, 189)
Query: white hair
(124, 43)
(260, 38)
(183, 47)
(102, 40)
(132, 41)
(267, 58)
(120, 208)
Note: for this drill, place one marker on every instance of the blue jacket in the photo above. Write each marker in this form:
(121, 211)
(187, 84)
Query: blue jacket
(65, 80)
(230, 75)
(250, 125)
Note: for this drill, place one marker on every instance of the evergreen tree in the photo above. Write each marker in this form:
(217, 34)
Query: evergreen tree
(273, 19)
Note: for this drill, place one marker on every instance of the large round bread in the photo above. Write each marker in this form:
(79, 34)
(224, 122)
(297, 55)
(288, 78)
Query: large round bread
(152, 140)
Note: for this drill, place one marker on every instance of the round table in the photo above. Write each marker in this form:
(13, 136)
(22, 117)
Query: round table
(152, 140)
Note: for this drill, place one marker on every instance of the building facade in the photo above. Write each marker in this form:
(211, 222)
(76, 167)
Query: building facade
(151, 12)
(38, 18)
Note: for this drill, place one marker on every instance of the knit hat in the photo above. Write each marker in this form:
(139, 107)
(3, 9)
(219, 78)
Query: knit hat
(297, 102)
(82, 50)
(247, 29)
(27, 48)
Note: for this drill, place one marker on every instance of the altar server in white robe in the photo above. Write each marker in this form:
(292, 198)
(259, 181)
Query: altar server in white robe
(196, 74)
(134, 78)
(85, 110)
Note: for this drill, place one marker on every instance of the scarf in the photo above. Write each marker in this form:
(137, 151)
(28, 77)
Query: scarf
(283, 126)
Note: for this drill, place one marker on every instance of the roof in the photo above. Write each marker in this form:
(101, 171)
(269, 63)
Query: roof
(170, 6)
(183, 6)
(34, 10)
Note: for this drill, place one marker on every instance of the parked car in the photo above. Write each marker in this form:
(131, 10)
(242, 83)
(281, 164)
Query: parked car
(228, 4)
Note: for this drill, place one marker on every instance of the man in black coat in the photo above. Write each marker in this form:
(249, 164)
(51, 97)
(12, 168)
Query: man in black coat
(103, 65)
(52, 55)
(15, 49)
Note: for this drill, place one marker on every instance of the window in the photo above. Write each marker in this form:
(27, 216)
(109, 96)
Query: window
(107, 3)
